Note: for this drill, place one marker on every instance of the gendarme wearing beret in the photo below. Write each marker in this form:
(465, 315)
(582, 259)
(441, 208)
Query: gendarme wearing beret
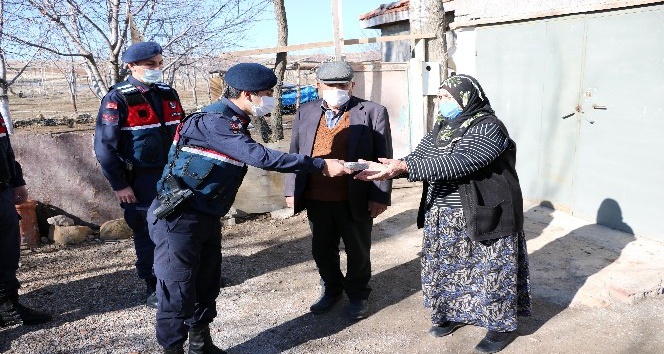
(141, 51)
(250, 77)
(334, 72)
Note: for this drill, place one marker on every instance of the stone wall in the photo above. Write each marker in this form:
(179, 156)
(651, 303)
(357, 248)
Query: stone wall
(64, 177)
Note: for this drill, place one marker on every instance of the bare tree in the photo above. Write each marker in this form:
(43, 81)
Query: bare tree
(6, 84)
(429, 16)
(98, 30)
(279, 69)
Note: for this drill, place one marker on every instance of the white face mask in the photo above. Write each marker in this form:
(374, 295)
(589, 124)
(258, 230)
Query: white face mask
(335, 97)
(150, 76)
(266, 106)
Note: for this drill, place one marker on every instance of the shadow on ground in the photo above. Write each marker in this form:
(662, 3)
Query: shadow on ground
(560, 268)
(285, 254)
(91, 296)
(393, 285)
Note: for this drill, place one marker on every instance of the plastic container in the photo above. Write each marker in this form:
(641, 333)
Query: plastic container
(28, 224)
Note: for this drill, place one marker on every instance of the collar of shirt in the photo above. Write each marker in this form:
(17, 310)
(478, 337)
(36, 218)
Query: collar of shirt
(331, 118)
(238, 112)
(139, 85)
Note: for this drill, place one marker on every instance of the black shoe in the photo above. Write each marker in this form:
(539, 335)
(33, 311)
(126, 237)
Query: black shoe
(151, 300)
(447, 327)
(357, 309)
(324, 303)
(178, 349)
(495, 341)
(12, 313)
(200, 342)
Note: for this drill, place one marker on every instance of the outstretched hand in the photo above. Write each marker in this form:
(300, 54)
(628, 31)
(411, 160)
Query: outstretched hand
(334, 168)
(388, 168)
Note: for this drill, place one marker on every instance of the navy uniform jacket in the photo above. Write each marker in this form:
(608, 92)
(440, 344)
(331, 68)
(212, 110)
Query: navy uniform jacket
(138, 132)
(11, 174)
(210, 154)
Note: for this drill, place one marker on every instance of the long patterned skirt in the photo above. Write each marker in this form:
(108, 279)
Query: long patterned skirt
(484, 284)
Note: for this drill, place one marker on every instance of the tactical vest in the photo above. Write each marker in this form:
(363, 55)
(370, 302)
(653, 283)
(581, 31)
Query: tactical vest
(146, 138)
(7, 168)
(214, 178)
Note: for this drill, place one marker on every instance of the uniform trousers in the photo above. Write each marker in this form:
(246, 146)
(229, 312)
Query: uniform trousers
(10, 243)
(330, 222)
(187, 264)
(135, 214)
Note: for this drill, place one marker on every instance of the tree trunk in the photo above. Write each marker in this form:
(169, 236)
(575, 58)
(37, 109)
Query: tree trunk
(279, 69)
(193, 88)
(4, 99)
(429, 16)
(72, 88)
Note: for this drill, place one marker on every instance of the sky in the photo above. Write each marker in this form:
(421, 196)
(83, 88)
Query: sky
(310, 21)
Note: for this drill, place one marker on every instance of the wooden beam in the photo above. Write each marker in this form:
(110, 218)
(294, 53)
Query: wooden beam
(337, 28)
(296, 47)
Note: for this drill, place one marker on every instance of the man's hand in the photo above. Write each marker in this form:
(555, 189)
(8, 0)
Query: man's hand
(389, 168)
(334, 168)
(376, 209)
(290, 202)
(126, 195)
(20, 195)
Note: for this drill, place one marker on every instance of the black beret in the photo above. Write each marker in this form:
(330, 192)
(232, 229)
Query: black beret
(250, 77)
(334, 72)
(141, 51)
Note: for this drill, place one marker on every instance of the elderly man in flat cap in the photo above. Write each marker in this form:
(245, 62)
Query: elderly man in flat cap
(345, 127)
(134, 130)
(206, 166)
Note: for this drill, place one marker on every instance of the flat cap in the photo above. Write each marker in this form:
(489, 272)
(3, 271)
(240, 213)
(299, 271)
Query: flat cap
(250, 77)
(334, 72)
(141, 51)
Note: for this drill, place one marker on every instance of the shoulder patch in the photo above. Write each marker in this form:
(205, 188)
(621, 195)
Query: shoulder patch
(109, 118)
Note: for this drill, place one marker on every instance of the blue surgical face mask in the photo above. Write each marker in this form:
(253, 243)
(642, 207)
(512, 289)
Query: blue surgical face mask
(449, 109)
(150, 76)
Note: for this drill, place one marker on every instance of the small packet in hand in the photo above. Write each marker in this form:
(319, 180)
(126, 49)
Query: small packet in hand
(356, 166)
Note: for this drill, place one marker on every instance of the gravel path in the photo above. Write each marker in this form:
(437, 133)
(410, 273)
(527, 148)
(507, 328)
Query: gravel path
(96, 299)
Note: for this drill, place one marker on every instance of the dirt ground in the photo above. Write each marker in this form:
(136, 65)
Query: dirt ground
(92, 290)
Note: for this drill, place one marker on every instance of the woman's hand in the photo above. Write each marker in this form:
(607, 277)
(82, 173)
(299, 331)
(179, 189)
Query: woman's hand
(388, 168)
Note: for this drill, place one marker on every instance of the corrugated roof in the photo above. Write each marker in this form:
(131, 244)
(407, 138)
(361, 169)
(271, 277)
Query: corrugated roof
(386, 8)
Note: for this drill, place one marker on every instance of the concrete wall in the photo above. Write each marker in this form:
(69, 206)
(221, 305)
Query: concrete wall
(63, 175)
(397, 51)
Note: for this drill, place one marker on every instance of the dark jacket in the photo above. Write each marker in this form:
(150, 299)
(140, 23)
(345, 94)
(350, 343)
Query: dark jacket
(11, 175)
(210, 155)
(135, 126)
(369, 138)
(491, 197)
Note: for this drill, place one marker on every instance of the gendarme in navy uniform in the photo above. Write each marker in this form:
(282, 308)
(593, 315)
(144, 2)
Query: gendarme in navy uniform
(12, 191)
(207, 163)
(135, 128)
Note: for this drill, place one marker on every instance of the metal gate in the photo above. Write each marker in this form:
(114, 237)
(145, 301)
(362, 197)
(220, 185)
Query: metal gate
(583, 96)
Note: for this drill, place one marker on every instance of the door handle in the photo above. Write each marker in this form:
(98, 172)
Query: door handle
(595, 106)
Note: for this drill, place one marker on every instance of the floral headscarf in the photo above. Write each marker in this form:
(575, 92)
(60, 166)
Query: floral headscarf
(474, 104)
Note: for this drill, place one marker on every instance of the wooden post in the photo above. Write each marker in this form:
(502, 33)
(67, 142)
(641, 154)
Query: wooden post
(337, 28)
(297, 89)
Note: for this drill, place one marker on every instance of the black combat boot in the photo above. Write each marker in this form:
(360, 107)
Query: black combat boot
(13, 313)
(178, 349)
(151, 292)
(200, 342)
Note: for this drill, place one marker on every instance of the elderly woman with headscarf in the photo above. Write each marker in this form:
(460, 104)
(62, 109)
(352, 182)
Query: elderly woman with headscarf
(474, 258)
